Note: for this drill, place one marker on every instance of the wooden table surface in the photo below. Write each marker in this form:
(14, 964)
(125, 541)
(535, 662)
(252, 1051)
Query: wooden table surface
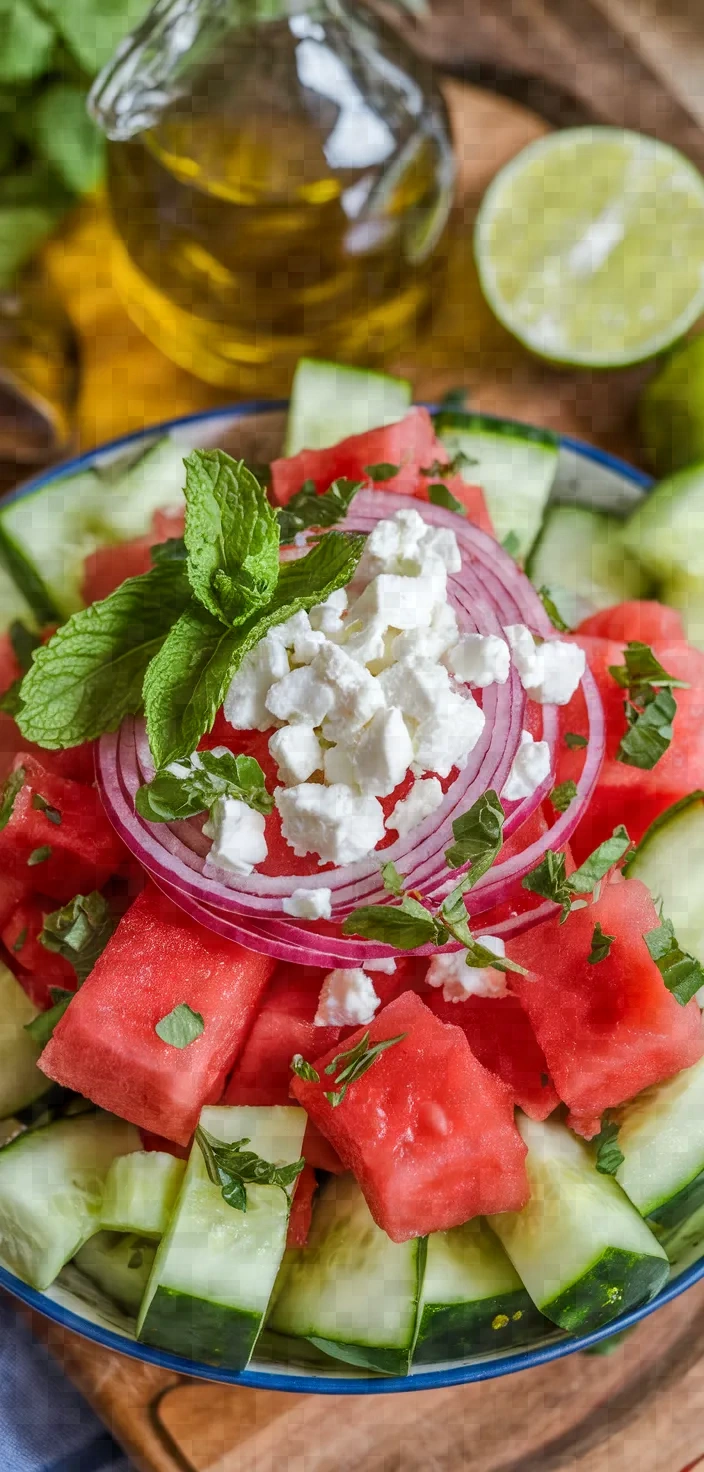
(637, 63)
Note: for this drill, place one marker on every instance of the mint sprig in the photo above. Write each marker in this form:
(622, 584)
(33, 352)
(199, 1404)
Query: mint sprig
(308, 509)
(550, 880)
(601, 945)
(171, 796)
(233, 1169)
(232, 537)
(649, 708)
(79, 932)
(609, 1155)
(353, 1064)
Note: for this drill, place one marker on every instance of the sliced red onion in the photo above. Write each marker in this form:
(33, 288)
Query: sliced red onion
(489, 592)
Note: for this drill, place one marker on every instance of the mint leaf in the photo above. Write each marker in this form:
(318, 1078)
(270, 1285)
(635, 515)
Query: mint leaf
(478, 836)
(642, 668)
(304, 1070)
(391, 879)
(650, 732)
(681, 973)
(180, 1027)
(170, 797)
(27, 43)
(39, 855)
(232, 537)
(41, 805)
(79, 931)
(596, 867)
(19, 940)
(552, 610)
(608, 1154)
(575, 741)
(393, 925)
(329, 565)
(41, 1028)
(511, 544)
(307, 508)
(438, 495)
(186, 683)
(562, 795)
(13, 785)
(383, 471)
(601, 945)
(352, 1065)
(90, 674)
(172, 550)
(549, 880)
(233, 1169)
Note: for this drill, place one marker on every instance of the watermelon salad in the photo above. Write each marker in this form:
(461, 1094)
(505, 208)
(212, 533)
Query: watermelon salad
(350, 897)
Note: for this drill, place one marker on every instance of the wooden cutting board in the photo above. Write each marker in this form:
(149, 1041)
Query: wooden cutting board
(644, 1405)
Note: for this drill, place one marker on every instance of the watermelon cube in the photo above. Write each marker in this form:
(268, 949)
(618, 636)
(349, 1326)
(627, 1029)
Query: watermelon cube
(608, 1028)
(301, 1213)
(57, 834)
(12, 890)
(644, 620)
(283, 1026)
(499, 1032)
(428, 1132)
(38, 969)
(106, 1046)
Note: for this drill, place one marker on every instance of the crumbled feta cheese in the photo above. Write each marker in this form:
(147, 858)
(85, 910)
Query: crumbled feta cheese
(238, 837)
(424, 797)
(549, 672)
(302, 696)
(459, 981)
(480, 659)
(405, 544)
(244, 705)
(364, 641)
(530, 767)
(297, 753)
(339, 767)
(327, 616)
(355, 694)
(347, 999)
(445, 739)
(337, 824)
(417, 686)
(401, 603)
(430, 642)
(388, 967)
(309, 904)
(297, 635)
(383, 753)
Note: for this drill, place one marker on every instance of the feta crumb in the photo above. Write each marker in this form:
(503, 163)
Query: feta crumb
(405, 544)
(384, 753)
(355, 694)
(339, 767)
(309, 904)
(245, 703)
(430, 642)
(480, 659)
(238, 837)
(417, 686)
(297, 635)
(445, 739)
(459, 981)
(531, 765)
(297, 753)
(302, 696)
(337, 824)
(399, 602)
(347, 999)
(424, 797)
(364, 641)
(327, 617)
(389, 967)
(549, 672)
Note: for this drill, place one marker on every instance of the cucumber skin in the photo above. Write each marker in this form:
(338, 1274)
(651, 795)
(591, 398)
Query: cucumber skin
(635, 1278)
(200, 1330)
(25, 577)
(657, 826)
(458, 1330)
(283, 1348)
(512, 429)
(665, 1218)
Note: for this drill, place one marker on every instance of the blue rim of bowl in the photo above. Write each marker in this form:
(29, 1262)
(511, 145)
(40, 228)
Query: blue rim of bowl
(294, 1382)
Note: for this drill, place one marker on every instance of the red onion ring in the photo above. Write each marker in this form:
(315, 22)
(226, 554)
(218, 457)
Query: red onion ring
(489, 592)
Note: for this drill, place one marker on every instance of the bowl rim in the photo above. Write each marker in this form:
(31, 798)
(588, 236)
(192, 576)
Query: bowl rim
(299, 1382)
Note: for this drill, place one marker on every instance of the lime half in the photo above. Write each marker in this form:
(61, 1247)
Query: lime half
(590, 246)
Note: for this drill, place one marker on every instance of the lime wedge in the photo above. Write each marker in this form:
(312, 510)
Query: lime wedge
(589, 246)
(672, 409)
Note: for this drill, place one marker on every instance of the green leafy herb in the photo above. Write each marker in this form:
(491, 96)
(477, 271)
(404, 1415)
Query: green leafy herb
(353, 1064)
(478, 836)
(552, 610)
(18, 943)
(511, 544)
(304, 1070)
(438, 495)
(308, 509)
(405, 926)
(42, 806)
(562, 795)
(608, 1155)
(550, 880)
(681, 973)
(233, 1169)
(601, 945)
(596, 867)
(41, 1028)
(79, 931)
(24, 641)
(454, 916)
(383, 471)
(90, 674)
(391, 879)
(197, 783)
(68, 138)
(575, 741)
(232, 537)
(458, 462)
(329, 565)
(649, 731)
(13, 786)
(172, 550)
(180, 1027)
(640, 669)
(455, 400)
(39, 855)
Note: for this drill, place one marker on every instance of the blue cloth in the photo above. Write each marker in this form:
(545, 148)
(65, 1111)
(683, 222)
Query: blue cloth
(45, 1425)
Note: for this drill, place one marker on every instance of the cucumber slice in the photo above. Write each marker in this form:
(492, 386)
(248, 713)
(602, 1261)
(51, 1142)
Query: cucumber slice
(330, 401)
(216, 1266)
(580, 557)
(12, 603)
(140, 1192)
(473, 1299)
(284, 1350)
(683, 1240)
(661, 1136)
(670, 860)
(20, 1080)
(351, 1291)
(687, 596)
(45, 537)
(120, 1266)
(51, 1191)
(514, 464)
(666, 532)
(581, 1248)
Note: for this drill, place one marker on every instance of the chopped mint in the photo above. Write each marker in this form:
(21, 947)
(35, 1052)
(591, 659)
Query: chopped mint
(478, 836)
(405, 926)
(552, 610)
(562, 795)
(171, 796)
(383, 471)
(597, 866)
(601, 945)
(39, 855)
(608, 1155)
(13, 786)
(180, 1027)
(682, 974)
(19, 940)
(42, 806)
(575, 741)
(233, 1169)
(308, 509)
(392, 880)
(79, 931)
(352, 1065)
(41, 1028)
(511, 544)
(550, 879)
(304, 1070)
(650, 707)
(438, 495)
(642, 668)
